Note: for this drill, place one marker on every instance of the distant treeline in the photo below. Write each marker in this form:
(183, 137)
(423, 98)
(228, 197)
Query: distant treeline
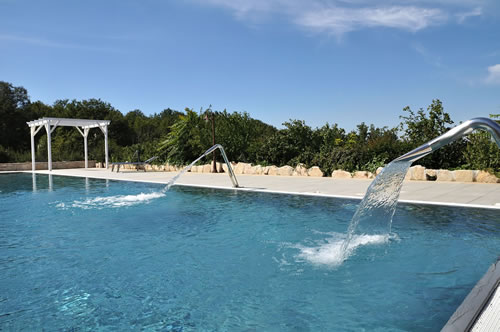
(180, 137)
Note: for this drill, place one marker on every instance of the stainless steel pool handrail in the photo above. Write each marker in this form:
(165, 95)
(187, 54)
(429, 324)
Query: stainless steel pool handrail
(453, 134)
(230, 171)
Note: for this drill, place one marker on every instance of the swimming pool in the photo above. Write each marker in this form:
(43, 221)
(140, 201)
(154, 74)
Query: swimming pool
(88, 254)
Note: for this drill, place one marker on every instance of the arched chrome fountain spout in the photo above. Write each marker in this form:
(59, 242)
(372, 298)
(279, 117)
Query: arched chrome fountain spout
(229, 167)
(461, 130)
(188, 167)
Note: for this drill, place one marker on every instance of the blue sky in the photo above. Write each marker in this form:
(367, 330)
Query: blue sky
(337, 61)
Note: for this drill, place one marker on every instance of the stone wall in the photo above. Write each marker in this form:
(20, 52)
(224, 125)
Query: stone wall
(43, 165)
(415, 173)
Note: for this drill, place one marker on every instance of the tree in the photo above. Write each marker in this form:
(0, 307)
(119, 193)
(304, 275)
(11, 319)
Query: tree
(187, 139)
(421, 127)
(482, 152)
(14, 113)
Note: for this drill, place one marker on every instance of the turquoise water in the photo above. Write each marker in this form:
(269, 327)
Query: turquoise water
(101, 255)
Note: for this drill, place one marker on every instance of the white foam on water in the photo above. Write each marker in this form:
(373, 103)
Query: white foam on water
(116, 201)
(330, 251)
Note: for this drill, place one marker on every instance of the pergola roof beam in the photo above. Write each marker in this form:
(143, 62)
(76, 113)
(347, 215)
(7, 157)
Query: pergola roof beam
(66, 122)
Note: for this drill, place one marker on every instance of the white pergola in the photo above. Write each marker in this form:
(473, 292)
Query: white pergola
(83, 126)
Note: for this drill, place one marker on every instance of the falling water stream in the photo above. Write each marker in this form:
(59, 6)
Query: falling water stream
(375, 212)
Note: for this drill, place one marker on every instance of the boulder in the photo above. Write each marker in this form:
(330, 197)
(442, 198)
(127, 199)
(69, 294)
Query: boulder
(444, 175)
(285, 171)
(273, 170)
(464, 175)
(240, 168)
(207, 168)
(377, 172)
(408, 175)
(418, 173)
(340, 174)
(315, 171)
(249, 170)
(265, 170)
(486, 177)
(300, 170)
(431, 174)
(258, 170)
(362, 175)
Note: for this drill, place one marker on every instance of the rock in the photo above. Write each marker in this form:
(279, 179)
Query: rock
(408, 175)
(300, 170)
(265, 170)
(285, 171)
(340, 174)
(377, 172)
(486, 177)
(194, 169)
(219, 168)
(444, 175)
(273, 170)
(207, 168)
(418, 173)
(240, 168)
(431, 174)
(258, 170)
(250, 170)
(464, 175)
(363, 175)
(315, 171)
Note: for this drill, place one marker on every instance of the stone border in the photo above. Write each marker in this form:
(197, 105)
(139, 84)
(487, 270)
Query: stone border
(415, 173)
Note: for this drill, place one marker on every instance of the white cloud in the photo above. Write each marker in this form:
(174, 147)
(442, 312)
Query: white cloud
(339, 16)
(493, 74)
(461, 17)
(52, 44)
(341, 20)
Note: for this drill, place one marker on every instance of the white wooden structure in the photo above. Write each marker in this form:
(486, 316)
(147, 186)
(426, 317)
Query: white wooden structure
(83, 126)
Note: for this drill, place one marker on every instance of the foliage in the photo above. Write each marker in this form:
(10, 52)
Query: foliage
(421, 127)
(180, 137)
(482, 152)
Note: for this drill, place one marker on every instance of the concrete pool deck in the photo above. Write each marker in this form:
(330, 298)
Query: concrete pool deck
(482, 195)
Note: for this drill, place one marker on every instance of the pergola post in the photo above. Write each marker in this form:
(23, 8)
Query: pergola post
(105, 132)
(86, 134)
(49, 147)
(33, 163)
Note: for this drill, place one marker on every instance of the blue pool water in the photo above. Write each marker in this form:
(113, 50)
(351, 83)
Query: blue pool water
(101, 255)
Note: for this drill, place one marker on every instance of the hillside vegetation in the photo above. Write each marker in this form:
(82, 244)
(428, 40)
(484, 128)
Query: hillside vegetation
(180, 137)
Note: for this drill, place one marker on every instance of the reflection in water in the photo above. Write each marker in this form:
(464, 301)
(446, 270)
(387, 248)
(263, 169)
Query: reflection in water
(33, 175)
(50, 182)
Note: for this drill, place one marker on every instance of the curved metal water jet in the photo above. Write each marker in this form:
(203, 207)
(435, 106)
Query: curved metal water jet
(187, 168)
(452, 135)
(379, 203)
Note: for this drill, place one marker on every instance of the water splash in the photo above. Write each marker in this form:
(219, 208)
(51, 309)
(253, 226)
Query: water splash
(330, 251)
(114, 201)
(375, 212)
